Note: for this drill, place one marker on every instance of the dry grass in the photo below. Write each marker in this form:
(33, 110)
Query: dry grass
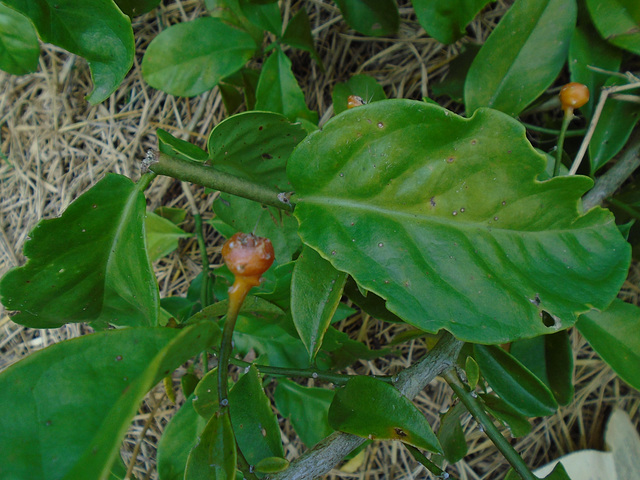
(57, 146)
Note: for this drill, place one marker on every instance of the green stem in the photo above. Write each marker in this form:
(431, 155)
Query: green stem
(201, 174)
(633, 213)
(568, 115)
(337, 378)
(205, 289)
(144, 181)
(475, 408)
(553, 131)
(225, 353)
(243, 465)
(428, 464)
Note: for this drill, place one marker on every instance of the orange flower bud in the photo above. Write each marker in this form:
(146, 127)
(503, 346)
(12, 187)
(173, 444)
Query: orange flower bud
(573, 95)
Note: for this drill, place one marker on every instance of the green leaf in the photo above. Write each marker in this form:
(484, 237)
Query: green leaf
(298, 35)
(214, 456)
(517, 423)
(134, 8)
(179, 148)
(278, 90)
(306, 408)
(254, 422)
(162, 236)
(266, 16)
(375, 18)
(19, 48)
(443, 217)
(108, 374)
(446, 20)
(453, 84)
(371, 303)
(613, 334)
(362, 407)
(192, 57)
(272, 465)
(188, 383)
(96, 30)
(550, 358)
(472, 371)
(516, 385)
(205, 399)
(89, 265)
(316, 290)
(229, 11)
(616, 122)
(522, 56)
(174, 215)
(558, 473)
(618, 21)
(451, 435)
(177, 439)
(364, 86)
(588, 49)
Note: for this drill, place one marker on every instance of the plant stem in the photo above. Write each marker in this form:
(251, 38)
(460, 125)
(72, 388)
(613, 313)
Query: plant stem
(201, 174)
(225, 353)
(553, 131)
(420, 457)
(205, 288)
(145, 180)
(476, 409)
(568, 116)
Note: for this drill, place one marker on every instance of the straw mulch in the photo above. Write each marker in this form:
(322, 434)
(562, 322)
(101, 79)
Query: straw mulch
(55, 145)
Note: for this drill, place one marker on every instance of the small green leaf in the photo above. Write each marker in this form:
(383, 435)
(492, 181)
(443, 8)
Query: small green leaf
(364, 86)
(522, 56)
(298, 35)
(613, 334)
(272, 465)
(375, 18)
(451, 435)
(618, 21)
(214, 456)
(188, 383)
(178, 438)
(231, 97)
(109, 47)
(162, 236)
(616, 122)
(306, 408)
(229, 11)
(453, 84)
(19, 48)
(205, 399)
(108, 373)
(516, 385)
(316, 290)
(371, 303)
(373, 409)
(558, 473)
(134, 8)
(174, 215)
(254, 422)
(266, 16)
(446, 20)
(278, 90)
(473, 372)
(518, 423)
(89, 265)
(192, 57)
(180, 148)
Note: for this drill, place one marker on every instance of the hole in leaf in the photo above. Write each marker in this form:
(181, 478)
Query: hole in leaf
(549, 320)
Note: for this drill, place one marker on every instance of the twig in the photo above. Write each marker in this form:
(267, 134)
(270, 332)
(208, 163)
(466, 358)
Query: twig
(330, 451)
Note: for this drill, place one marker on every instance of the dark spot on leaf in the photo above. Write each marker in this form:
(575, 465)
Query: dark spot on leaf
(47, 423)
(380, 125)
(547, 319)
(260, 128)
(433, 201)
(399, 432)
(118, 358)
(266, 156)
(536, 300)
(451, 159)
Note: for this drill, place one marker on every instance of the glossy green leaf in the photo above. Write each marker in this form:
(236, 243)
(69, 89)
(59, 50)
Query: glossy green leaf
(192, 57)
(134, 8)
(108, 373)
(516, 385)
(451, 435)
(588, 49)
(19, 48)
(179, 148)
(266, 16)
(446, 20)
(444, 218)
(254, 422)
(618, 21)
(316, 290)
(370, 408)
(214, 456)
(89, 265)
(472, 371)
(205, 399)
(162, 236)
(375, 18)
(278, 90)
(517, 423)
(522, 56)
(95, 29)
(272, 465)
(177, 440)
(298, 35)
(306, 408)
(613, 334)
(616, 122)
(550, 358)
(364, 86)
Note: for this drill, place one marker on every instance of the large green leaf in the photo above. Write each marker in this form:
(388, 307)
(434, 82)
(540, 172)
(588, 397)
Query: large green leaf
(316, 290)
(362, 407)
(89, 265)
(19, 49)
(94, 29)
(517, 422)
(214, 456)
(515, 384)
(443, 217)
(375, 18)
(522, 56)
(618, 21)
(446, 20)
(71, 403)
(614, 335)
(192, 57)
